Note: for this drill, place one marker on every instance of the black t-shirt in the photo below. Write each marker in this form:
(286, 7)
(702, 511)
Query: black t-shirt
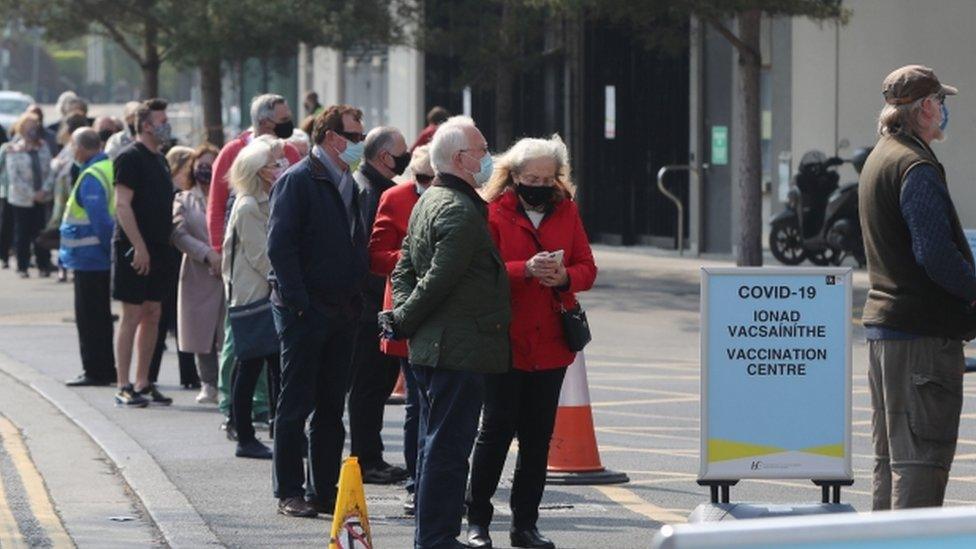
(147, 174)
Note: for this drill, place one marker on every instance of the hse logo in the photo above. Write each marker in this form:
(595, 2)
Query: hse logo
(831, 280)
(756, 465)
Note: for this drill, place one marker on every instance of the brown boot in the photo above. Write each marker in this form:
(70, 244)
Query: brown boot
(296, 507)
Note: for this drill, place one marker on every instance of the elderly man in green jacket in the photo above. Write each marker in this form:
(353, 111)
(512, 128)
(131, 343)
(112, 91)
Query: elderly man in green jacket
(451, 299)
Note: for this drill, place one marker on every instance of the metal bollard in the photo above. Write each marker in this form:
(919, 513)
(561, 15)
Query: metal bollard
(677, 201)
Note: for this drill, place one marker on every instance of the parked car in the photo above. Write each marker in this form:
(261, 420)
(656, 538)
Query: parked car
(12, 105)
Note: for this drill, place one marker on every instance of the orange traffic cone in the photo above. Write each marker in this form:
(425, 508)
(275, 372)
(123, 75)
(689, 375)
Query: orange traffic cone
(399, 394)
(573, 454)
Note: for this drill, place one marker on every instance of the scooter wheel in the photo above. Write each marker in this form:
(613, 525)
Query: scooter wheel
(785, 243)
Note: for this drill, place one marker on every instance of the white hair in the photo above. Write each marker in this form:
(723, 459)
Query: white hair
(299, 138)
(449, 138)
(513, 161)
(276, 145)
(420, 160)
(63, 101)
(244, 171)
(263, 106)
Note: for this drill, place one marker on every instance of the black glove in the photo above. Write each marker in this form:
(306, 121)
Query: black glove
(388, 327)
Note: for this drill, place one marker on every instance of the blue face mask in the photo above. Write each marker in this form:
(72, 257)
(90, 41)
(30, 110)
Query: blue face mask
(484, 174)
(353, 153)
(945, 118)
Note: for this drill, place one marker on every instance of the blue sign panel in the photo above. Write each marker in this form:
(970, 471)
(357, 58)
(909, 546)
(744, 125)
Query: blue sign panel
(776, 373)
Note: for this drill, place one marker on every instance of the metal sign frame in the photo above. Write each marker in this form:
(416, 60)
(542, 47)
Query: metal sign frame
(706, 273)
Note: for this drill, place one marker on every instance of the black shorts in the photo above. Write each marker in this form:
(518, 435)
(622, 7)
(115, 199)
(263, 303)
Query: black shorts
(131, 287)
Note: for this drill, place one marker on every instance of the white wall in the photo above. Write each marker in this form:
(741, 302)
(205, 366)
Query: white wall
(881, 36)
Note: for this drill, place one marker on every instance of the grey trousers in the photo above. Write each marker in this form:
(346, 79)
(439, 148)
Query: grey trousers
(207, 367)
(916, 400)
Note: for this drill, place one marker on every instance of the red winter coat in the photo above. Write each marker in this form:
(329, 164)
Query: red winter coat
(220, 185)
(390, 227)
(536, 331)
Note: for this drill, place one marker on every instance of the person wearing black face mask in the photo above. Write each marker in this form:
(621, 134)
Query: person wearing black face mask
(537, 228)
(374, 374)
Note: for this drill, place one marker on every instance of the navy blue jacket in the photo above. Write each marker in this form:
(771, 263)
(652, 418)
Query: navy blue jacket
(314, 258)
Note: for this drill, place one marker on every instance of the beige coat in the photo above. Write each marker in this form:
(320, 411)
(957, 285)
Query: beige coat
(200, 301)
(251, 264)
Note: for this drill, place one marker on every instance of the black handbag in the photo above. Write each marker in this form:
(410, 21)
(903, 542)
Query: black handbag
(576, 329)
(252, 325)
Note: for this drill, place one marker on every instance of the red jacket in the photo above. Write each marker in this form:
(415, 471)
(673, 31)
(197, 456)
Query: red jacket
(536, 331)
(425, 136)
(390, 227)
(219, 185)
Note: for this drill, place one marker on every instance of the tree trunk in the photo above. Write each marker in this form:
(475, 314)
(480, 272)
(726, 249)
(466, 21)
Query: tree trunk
(210, 89)
(746, 150)
(150, 60)
(504, 83)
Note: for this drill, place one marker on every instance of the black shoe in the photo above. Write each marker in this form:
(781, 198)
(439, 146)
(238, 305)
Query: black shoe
(23, 274)
(384, 473)
(530, 538)
(84, 381)
(322, 507)
(478, 536)
(228, 427)
(155, 396)
(296, 507)
(253, 449)
(129, 398)
(62, 275)
(410, 505)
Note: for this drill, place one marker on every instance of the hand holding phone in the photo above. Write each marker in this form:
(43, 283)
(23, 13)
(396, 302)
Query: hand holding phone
(556, 256)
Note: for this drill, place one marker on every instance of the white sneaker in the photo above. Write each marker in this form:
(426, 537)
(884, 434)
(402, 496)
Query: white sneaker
(208, 394)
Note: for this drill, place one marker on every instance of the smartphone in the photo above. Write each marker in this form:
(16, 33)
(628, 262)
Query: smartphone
(556, 256)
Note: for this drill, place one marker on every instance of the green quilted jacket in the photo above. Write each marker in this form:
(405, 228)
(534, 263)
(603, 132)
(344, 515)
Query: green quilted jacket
(450, 287)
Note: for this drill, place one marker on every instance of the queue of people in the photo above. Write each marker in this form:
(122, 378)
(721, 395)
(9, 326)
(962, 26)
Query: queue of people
(296, 279)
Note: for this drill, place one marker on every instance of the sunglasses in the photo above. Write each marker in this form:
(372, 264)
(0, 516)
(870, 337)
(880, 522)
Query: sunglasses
(353, 137)
(423, 179)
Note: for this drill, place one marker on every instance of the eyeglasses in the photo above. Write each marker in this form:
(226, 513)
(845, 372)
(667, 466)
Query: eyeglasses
(423, 179)
(354, 137)
(533, 180)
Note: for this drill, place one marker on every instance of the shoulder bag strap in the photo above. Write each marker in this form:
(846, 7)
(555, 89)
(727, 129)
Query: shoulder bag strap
(233, 254)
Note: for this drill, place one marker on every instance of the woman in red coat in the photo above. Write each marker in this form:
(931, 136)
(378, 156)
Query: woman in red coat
(389, 229)
(540, 236)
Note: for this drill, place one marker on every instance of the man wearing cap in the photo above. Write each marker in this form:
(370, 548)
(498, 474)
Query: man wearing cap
(923, 286)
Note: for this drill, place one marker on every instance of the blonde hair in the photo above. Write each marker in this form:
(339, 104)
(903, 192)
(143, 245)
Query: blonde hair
(901, 119)
(514, 159)
(23, 119)
(178, 159)
(244, 171)
(277, 145)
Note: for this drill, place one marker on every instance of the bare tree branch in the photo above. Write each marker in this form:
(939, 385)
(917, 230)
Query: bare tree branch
(112, 32)
(743, 48)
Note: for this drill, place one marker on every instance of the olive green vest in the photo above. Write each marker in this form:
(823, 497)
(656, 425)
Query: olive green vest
(902, 296)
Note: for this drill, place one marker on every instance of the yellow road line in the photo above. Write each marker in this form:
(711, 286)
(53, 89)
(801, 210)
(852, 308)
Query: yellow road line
(37, 495)
(634, 503)
(10, 535)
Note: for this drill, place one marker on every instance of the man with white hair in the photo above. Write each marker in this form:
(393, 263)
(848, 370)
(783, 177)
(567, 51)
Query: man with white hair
(451, 300)
(270, 115)
(125, 136)
(374, 374)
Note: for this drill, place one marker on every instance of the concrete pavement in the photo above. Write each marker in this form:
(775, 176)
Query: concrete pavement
(643, 380)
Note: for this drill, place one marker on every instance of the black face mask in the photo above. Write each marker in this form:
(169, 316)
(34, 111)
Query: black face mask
(400, 163)
(283, 130)
(203, 174)
(535, 196)
(105, 134)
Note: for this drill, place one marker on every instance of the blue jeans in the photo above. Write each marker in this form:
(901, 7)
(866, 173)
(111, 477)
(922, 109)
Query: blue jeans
(450, 403)
(411, 423)
(316, 354)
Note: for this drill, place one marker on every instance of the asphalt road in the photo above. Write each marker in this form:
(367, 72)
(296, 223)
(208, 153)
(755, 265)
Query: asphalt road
(643, 381)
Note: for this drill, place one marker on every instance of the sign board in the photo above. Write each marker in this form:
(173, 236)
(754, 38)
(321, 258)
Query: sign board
(720, 145)
(610, 114)
(776, 373)
(466, 101)
(971, 238)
